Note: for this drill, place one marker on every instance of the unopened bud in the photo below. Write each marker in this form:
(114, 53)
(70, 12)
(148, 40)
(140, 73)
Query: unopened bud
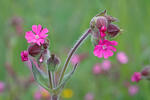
(46, 44)
(52, 62)
(113, 30)
(96, 24)
(34, 50)
(146, 72)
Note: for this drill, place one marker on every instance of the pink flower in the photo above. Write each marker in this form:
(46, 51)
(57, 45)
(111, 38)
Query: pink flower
(89, 96)
(97, 69)
(105, 48)
(136, 77)
(2, 87)
(133, 89)
(38, 36)
(24, 55)
(106, 65)
(37, 95)
(75, 59)
(122, 57)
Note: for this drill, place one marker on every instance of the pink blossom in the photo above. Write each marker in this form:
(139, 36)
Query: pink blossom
(24, 55)
(75, 59)
(133, 89)
(136, 77)
(89, 96)
(97, 69)
(122, 57)
(2, 87)
(37, 35)
(106, 65)
(105, 48)
(37, 95)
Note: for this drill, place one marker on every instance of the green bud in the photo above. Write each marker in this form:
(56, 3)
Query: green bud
(53, 62)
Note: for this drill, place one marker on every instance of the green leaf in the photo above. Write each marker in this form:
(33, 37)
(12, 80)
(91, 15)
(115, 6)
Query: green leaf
(66, 78)
(40, 77)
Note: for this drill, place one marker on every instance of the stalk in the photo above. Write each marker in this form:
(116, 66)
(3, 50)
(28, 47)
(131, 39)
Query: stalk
(77, 44)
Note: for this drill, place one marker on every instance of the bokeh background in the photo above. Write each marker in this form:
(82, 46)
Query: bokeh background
(66, 21)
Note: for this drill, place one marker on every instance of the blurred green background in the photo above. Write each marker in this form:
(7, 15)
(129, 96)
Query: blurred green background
(66, 20)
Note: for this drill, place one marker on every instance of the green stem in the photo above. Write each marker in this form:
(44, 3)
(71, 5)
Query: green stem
(77, 44)
(50, 79)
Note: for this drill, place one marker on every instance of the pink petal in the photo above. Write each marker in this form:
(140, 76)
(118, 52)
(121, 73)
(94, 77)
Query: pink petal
(106, 55)
(98, 51)
(114, 43)
(36, 29)
(39, 28)
(112, 48)
(110, 53)
(43, 33)
(30, 36)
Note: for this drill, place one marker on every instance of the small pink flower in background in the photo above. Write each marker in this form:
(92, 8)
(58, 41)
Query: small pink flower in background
(105, 48)
(136, 77)
(97, 69)
(133, 89)
(2, 87)
(75, 59)
(24, 56)
(106, 65)
(37, 95)
(89, 96)
(122, 57)
(38, 36)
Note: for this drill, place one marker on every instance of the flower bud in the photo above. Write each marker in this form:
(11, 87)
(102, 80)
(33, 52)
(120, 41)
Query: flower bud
(46, 44)
(34, 50)
(52, 62)
(113, 30)
(24, 56)
(110, 19)
(96, 24)
(146, 72)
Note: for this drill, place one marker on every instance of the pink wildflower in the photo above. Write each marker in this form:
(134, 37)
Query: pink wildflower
(106, 65)
(122, 58)
(133, 89)
(97, 69)
(89, 96)
(75, 59)
(38, 36)
(24, 56)
(136, 77)
(2, 87)
(105, 48)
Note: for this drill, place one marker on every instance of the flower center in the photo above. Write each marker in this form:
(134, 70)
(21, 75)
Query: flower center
(104, 46)
(36, 37)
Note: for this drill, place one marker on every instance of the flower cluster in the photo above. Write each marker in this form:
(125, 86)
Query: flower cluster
(38, 43)
(102, 30)
(45, 66)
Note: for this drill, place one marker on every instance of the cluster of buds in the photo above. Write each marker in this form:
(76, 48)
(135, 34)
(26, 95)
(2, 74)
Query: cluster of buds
(103, 30)
(39, 55)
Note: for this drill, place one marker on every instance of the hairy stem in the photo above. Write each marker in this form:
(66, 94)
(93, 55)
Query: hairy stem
(77, 44)
(50, 79)
(54, 97)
